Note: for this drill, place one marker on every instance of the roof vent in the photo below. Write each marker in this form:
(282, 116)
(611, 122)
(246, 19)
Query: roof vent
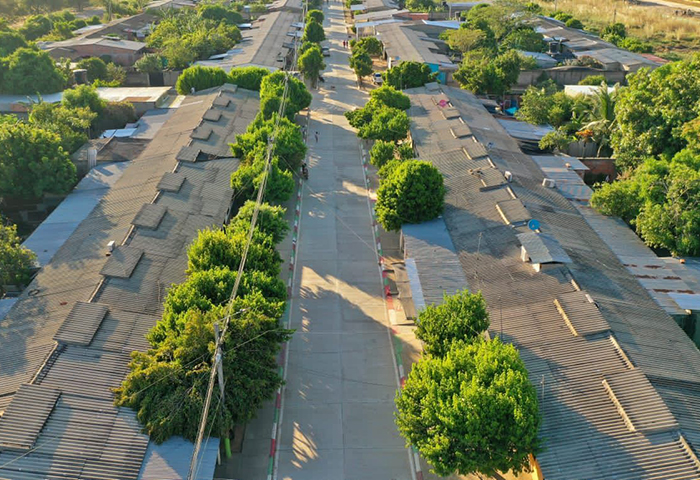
(549, 183)
(508, 175)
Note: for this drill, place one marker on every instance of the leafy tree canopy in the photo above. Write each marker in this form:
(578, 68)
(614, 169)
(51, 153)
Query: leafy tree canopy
(381, 152)
(249, 78)
(83, 96)
(246, 180)
(480, 74)
(96, 68)
(653, 109)
(310, 63)
(467, 39)
(33, 162)
(70, 124)
(315, 16)
(361, 63)
(408, 75)
(166, 386)
(16, 261)
(372, 45)
(289, 142)
(27, 71)
(313, 32)
(390, 97)
(461, 317)
(10, 41)
(219, 13)
(149, 63)
(376, 121)
(224, 248)
(271, 90)
(412, 193)
(472, 411)
(524, 38)
(270, 221)
(199, 78)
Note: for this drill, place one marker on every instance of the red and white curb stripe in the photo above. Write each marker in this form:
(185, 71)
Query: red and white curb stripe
(283, 358)
(397, 345)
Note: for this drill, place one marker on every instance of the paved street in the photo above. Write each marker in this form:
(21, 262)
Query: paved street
(338, 406)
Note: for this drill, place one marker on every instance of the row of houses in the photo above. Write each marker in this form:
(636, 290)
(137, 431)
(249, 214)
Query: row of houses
(65, 343)
(618, 380)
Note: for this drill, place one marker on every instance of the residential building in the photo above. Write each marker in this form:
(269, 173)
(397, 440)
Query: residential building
(618, 381)
(123, 52)
(66, 341)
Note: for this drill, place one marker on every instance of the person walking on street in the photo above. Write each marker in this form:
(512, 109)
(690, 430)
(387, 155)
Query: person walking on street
(316, 135)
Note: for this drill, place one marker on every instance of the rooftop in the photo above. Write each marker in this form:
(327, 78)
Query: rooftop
(105, 42)
(403, 43)
(617, 378)
(262, 46)
(69, 334)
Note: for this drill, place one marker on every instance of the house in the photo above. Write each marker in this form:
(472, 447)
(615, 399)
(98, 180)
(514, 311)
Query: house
(123, 52)
(136, 27)
(616, 376)
(403, 43)
(66, 341)
(266, 44)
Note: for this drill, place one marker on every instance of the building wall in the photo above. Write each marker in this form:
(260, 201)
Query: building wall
(120, 56)
(600, 166)
(566, 76)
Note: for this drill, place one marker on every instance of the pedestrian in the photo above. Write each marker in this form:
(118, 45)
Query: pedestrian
(316, 135)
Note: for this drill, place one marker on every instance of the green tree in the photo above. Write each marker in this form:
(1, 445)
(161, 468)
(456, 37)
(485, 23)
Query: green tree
(372, 45)
(149, 63)
(376, 121)
(313, 32)
(219, 13)
(524, 38)
(247, 179)
(115, 115)
(249, 78)
(166, 386)
(461, 317)
(408, 75)
(271, 220)
(472, 411)
(207, 289)
(420, 5)
(200, 78)
(10, 41)
(289, 142)
(16, 261)
(381, 152)
(465, 40)
(413, 193)
(29, 71)
(361, 63)
(83, 96)
(96, 68)
(310, 63)
(652, 110)
(222, 248)
(35, 26)
(558, 139)
(271, 90)
(390, 97)
(315, 16)
(72, 125)
(33, 162)
(482, 75)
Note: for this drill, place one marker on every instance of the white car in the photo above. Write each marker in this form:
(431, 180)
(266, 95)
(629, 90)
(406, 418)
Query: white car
(326, 51)
(377, 78)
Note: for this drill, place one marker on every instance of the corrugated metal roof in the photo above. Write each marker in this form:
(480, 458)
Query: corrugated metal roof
(86, 437)
(81, 324)
(542, 248)
(584, 434)
(24, 418)
(404, 44)
(428, 244)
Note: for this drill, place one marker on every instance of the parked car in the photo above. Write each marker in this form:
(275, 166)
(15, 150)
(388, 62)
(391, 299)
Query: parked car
(377, 78)
(326, 51)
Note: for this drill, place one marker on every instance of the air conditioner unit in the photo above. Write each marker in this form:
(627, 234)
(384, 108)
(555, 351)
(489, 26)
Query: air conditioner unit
(549, 183)
(110, 246)
(508, 175)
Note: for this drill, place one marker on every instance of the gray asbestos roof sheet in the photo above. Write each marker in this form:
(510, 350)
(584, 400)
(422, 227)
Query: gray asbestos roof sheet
(85, 436)
(585, 433)
(543, 248)
(23, 420)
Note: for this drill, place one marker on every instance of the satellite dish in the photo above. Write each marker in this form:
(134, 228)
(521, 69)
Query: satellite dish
(533, 225)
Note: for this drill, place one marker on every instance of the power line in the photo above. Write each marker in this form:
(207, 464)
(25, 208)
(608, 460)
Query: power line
(258, 202)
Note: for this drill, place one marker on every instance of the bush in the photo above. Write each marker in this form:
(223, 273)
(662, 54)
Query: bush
(635, 45)
(199, 78)
(149, 63)
(9, 42)
(96, 68)
(115, 115)
(594, 80)
(461, 317)
(16, 261)
(617, 29)
(574, 23)
(381, 152)
(412, 193)
(249, 78)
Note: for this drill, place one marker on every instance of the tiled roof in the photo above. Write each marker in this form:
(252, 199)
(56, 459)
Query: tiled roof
(99, 308)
